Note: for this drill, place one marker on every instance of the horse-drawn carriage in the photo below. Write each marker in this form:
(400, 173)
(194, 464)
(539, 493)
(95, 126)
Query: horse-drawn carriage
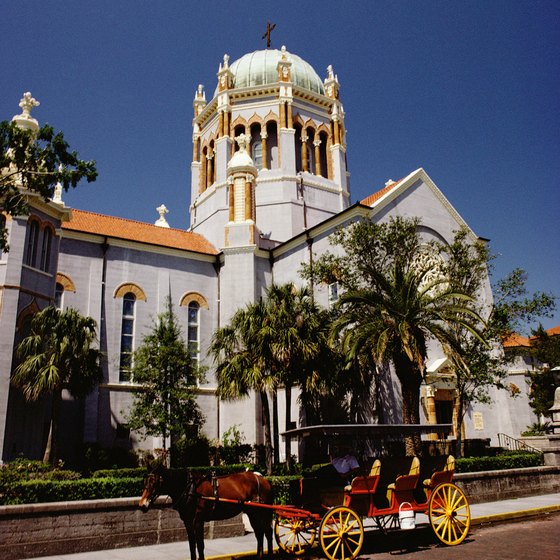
(391, 492)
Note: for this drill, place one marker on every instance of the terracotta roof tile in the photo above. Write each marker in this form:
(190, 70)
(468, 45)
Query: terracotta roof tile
(372, 198)
(120, 228)
(515, 340)
(553, 331)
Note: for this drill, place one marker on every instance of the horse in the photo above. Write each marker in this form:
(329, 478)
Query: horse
(198, 499)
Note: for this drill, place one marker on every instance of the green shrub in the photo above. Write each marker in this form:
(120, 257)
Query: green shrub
(137, 472)
(39, 491)
(500, 462)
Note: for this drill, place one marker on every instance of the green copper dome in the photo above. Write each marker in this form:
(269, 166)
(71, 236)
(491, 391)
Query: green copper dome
(259, 68)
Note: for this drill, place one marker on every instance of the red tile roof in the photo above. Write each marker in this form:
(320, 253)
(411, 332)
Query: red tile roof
(100, 224)
(515, 340)
(553, 331)
(372, 198)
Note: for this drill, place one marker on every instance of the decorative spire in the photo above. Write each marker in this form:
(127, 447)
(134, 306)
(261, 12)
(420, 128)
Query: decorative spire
(25, 120)
(161, 221)
(331, 83)
(199, 102)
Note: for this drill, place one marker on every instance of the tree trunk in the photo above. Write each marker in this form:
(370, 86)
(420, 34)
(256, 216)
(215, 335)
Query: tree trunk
(267, 431)
(288, 450)
(275, 428)
(459, 427)
(51, 450)
(410, 378)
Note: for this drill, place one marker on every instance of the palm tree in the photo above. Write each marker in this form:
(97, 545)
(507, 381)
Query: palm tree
(243, 363)
(394, 322)
(58, 354)
(294, 338)
(395, 300)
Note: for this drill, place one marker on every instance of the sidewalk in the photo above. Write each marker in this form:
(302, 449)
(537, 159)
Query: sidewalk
(238, 547)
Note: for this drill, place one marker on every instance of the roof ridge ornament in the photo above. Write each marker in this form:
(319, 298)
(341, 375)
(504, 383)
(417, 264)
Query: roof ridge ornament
(161, 221)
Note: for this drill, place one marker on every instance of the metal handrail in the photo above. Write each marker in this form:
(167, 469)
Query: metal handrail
(512, 444)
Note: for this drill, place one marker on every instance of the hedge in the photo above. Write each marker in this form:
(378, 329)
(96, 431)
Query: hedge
(122, 483)
(500, 462)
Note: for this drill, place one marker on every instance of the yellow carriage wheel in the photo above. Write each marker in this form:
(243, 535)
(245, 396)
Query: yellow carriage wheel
(295, 535)
(341, 534)
(449, 514)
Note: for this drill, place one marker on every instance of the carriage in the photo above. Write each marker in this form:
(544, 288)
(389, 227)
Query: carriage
(392, 491)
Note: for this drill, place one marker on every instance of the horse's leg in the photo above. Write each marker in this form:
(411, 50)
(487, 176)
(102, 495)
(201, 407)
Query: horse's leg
(199, 532)
(191, 534)
(258, 528)
(267, 521)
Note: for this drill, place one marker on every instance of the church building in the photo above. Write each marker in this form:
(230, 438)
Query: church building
(269, 184)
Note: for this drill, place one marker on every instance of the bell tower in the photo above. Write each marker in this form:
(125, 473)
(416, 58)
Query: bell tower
(290, 124)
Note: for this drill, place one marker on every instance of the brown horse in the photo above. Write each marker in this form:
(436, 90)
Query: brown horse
(203, 499)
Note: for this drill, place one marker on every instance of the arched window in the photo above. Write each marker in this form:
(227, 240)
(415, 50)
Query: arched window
(46, 249)
(127, 336)
(32, 243)
(256, 146)
(59, 296)
(256, 153)
(193, 330)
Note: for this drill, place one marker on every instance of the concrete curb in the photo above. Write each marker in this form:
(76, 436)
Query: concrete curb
(497, 517)
(475, 521)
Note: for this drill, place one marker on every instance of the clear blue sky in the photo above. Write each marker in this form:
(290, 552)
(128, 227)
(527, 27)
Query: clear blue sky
(468, 90)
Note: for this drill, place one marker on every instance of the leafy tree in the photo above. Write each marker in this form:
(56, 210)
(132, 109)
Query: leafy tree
(58, 354)
(394, 301)
(546, 349)
(34, 162)
(165, 403)
(479, 366)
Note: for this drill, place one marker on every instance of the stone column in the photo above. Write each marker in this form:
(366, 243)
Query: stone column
(282, 114)
(231, 200)
(304, 161)
(431, 409)
(290, 119)
(317, 144)
(264, 137)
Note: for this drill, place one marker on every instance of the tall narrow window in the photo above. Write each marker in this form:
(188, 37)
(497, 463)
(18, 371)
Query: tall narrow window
(256, 154)
(32, 242)
(59, 295)
(2, 226)
(193, 330)
(46, 250)
(127, 337)
(333, 293)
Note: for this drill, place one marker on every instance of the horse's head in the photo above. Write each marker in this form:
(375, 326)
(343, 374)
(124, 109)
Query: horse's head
(153, 483)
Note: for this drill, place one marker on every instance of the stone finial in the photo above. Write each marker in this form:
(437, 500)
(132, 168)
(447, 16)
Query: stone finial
(27, 103)
(226, 60)
(330, 73)
(161, 221)
(200, 92)
(243, 141)
(25, 120)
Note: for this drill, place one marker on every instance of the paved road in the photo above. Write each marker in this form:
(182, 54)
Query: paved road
(523, 540)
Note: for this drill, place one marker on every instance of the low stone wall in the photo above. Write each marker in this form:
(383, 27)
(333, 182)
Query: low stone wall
(502, 485)
(29, 531)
